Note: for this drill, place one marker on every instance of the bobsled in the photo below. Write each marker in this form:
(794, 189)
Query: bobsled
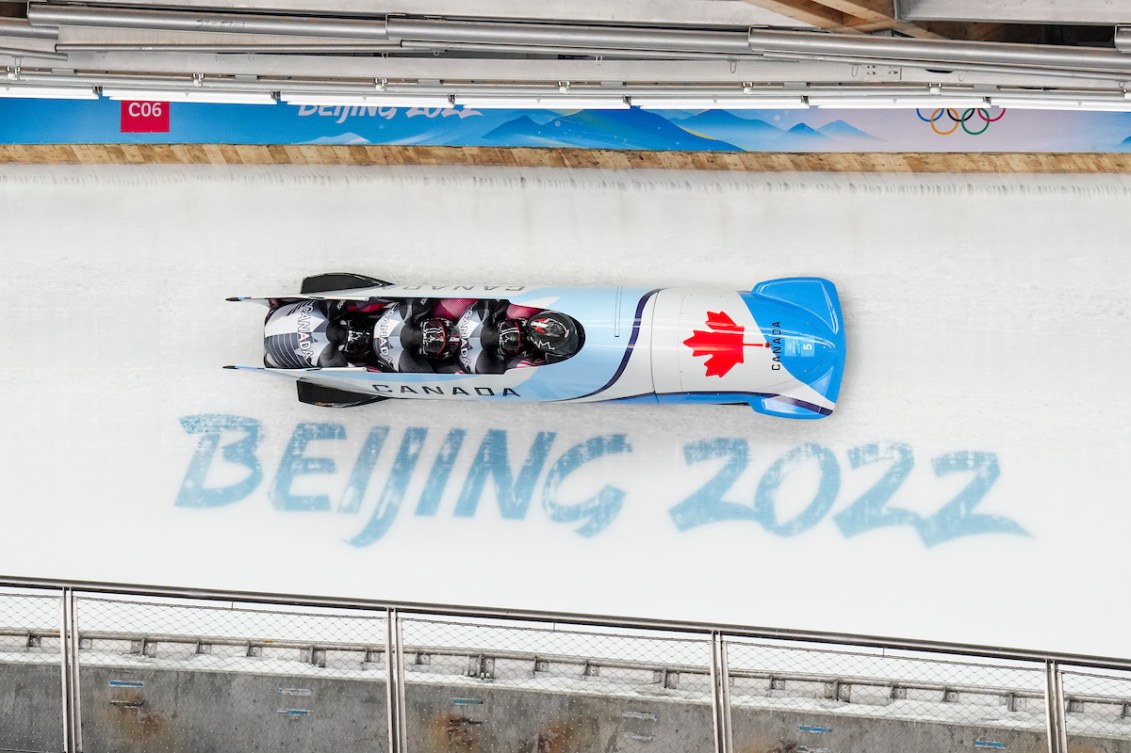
(350, 340)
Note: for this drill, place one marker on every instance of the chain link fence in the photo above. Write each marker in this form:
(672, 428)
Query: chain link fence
(31, 694)
(793, 697)
(526, 687)
(1097, 707)
(170, 676)
(146, 673)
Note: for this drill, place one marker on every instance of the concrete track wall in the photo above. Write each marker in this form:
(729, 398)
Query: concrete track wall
(132, 710)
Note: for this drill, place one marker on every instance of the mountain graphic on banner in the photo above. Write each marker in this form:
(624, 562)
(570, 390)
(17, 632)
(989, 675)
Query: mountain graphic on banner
(710, 122)
(803, 137)
(803, 131)
(840, 129)
(604, 129)
(748, 134)
(754, 134)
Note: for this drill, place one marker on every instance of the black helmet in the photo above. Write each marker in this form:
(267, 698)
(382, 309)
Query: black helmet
(553, 334)
(358, 342)
(350, 337)
(511, 341)
(434, 337)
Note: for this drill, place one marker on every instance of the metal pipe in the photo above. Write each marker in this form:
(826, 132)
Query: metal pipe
(44, 14)
(1055, 709)
(927, 65)
(394, 682)
(948, 52)
(377, 48)
(185, 83)
(18, 27)
(680, 626)
(720, 694)
(560, 35)
(586, 51)
(65, 671)
(76, 676)
(398, 630)
(224, 49)
(20, 53)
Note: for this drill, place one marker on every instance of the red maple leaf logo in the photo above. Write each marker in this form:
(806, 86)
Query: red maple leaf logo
(722, 345)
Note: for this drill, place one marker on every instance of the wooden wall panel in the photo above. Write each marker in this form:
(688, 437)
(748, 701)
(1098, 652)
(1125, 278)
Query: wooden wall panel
(872, 162)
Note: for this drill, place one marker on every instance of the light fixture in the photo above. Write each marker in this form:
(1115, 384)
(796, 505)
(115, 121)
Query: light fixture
(549, 102)
(719, 103)
(48, 92)
(203, 96)
(1062, 103)
(365, 100)
(897, 103)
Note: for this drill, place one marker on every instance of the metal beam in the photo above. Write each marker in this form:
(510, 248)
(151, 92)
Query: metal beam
(44, 14)
(560, 35)
(986, 32)
(865, 10)
(698, 13)
(1101, 12)
(467, 69)
(846, 16)
(942, 52)
(94, 67)
(94, 35)
(806, 12)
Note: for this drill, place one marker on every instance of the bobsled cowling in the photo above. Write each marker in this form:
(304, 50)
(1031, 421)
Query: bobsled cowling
(779, 348)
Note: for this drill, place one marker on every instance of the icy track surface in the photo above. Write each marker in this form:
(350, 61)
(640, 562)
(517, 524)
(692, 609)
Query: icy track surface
(972, 485)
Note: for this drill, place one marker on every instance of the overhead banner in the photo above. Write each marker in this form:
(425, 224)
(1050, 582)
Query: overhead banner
(814, 130)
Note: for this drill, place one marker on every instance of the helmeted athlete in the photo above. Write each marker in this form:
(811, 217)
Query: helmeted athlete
(296, 336)
(409, 338)
(491, 341)
(308, 334)
(553, 335)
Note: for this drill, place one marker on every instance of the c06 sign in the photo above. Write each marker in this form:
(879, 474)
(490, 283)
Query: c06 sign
(145, 117)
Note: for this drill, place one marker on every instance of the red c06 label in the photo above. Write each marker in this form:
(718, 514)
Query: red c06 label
(145, 117)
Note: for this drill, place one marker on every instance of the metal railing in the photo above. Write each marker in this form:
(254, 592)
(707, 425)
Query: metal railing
(104, 667)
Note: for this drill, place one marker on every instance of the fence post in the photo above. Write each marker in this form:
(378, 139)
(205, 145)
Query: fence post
(76, 685)
(720, 694)
(1054, 708)
(394, 682)
(69, 673)
(65, 671)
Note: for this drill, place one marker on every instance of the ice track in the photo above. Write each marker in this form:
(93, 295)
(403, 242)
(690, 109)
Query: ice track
(972, 485)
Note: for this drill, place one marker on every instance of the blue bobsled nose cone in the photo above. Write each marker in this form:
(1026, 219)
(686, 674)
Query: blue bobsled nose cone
(800, 318)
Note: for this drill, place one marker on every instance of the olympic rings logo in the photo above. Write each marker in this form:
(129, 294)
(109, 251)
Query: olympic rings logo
(960, 121)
